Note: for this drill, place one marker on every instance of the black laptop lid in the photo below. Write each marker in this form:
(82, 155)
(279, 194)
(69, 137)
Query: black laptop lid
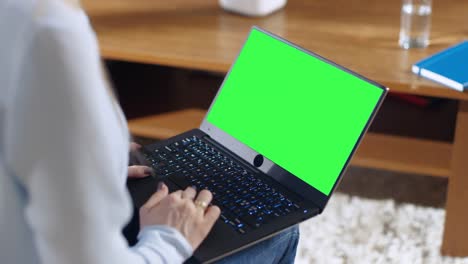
(304, 114)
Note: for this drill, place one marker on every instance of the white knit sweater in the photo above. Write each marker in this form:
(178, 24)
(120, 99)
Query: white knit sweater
(64, 147)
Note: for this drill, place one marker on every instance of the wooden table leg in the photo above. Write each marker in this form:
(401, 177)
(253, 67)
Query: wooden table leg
(455, 240)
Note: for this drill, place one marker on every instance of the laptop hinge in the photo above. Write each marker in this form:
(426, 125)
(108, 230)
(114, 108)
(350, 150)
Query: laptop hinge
(254, 169)
(233, 155)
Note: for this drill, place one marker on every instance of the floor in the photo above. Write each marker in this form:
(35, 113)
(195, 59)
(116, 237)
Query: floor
(403, 188)
(355, 230)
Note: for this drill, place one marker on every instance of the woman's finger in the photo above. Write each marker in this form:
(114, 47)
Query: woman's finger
(134, 146)
(189, 193)
(203, 200)
(212, 214)
(138, 171)
(177, 194)
(162, 192)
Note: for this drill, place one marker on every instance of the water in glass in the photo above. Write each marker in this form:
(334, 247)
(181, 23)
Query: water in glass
(415, 23)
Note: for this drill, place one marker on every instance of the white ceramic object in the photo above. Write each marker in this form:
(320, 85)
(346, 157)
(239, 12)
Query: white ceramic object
(252, 7)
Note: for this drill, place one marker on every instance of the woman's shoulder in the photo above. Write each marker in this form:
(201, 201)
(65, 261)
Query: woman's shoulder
(59, 18)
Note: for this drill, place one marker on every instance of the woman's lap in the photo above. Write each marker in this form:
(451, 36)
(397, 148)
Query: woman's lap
(278, 249)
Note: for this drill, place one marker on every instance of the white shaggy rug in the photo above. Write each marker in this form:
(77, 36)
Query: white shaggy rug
(354, 230)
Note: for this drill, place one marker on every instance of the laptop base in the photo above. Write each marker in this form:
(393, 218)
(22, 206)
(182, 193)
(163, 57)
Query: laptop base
(222, 240)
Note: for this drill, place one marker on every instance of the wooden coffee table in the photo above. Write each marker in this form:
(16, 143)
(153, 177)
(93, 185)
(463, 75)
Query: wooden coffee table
(359, 34)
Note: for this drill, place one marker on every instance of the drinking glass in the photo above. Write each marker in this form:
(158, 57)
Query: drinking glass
(415, 24)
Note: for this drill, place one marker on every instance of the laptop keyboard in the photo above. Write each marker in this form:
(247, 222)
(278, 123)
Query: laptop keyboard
(246, 201)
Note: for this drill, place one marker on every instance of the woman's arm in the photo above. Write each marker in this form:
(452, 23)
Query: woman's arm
(65, 146)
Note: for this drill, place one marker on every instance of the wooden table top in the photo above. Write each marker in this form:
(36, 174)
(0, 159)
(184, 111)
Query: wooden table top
(359, 34)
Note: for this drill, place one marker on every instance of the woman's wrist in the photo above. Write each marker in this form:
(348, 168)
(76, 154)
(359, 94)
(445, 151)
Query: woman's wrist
(164, 239)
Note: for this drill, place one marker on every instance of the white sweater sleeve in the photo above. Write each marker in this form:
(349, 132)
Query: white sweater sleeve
(69, 151)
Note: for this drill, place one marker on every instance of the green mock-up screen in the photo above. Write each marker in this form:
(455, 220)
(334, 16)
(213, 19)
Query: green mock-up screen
(296, 110)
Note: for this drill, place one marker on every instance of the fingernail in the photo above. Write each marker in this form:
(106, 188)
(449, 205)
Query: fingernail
(160, 185)
(148, 171)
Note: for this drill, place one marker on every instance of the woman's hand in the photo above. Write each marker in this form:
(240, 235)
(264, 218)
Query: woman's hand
(193, 217)
(137, 171)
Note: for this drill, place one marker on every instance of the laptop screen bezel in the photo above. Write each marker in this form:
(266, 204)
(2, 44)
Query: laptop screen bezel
(288, 180)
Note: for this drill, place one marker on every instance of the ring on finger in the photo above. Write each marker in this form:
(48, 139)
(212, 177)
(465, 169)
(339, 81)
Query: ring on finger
(201, 204)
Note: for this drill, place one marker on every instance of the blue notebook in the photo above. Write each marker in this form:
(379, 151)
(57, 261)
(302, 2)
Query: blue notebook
(448, 67)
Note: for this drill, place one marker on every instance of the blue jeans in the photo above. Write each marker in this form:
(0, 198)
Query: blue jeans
(279, 249)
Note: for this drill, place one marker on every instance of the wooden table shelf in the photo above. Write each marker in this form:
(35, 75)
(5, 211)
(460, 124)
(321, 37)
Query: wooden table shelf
(403, 154)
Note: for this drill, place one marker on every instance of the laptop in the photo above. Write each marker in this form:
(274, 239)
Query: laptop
(273, 145)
